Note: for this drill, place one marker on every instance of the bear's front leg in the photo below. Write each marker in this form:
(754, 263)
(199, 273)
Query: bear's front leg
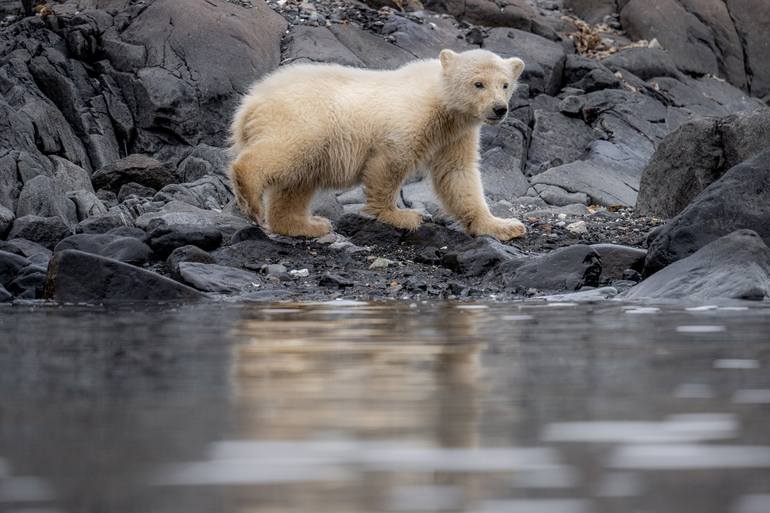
(382, 181)
(457, 182)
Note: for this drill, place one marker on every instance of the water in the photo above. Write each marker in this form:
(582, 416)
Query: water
(363, 408)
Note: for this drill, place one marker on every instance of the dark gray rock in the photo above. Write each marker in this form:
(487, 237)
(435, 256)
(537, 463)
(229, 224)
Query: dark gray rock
(135, 189)
(203, 160)
(699, 35)
(558, 196)
(253, 254)
(5, 296)
(544, 59)
(186, 254)
(616, 260)
(6, 220)
(177, 212)
(209, 192)
(333, 280)
(478, 256)
(46, 231)
(218, 279)
(41, 197)
(696, 155)
(424, 40)
(740, 199)
(29, 283)
(645, 63)
(592, 11)
(248, 233)
(87, 204)
(139, 169)
(556, 140)
(75, 277)
(752, 23)
(124, 249)
(35, 253)
(736, 266)
(518, 14)
(100, 223)
(602, 184)
(565, 269)
(10, 266)
(166, 238)
(501, 175)
(318, 44)
(372, 50)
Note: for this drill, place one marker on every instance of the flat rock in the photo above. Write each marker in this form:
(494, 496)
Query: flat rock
(602, 184)
(735, 266)
(645, 63)
(123, 249)
(34, 252)
(617, 259)
(75, 276)
(186, 254)
(180, 213)
(740, 199)
(218, 279)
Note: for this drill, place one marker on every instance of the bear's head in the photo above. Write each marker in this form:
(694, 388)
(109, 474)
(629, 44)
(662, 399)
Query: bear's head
(479, 83)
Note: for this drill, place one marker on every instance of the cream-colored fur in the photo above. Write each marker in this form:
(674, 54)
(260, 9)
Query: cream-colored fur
(311, 126)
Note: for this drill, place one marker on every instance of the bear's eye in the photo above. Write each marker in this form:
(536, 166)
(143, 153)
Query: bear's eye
(505, 86)
(479, 85)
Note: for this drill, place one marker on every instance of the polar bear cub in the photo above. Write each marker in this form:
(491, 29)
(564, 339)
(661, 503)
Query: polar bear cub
(311, 126)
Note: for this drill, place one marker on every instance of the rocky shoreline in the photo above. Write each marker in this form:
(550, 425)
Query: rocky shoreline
(113, 167)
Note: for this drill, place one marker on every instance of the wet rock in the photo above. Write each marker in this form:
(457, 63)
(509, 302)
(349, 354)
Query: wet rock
(135, 189)
(740, 199)
(478, 256)
(5, 296)
(139, 169)
(736, 266)
(10, 266)
(124, 249)
(6, 220)
(75, 276)
(565, 269)
(333, 280)
(696, 155)
(186, 254)
(618, 260)
(218, 279)
(645, 63)
(588, 295)
(47, 231)
(166, 238)
(544, 58)
(29, 283)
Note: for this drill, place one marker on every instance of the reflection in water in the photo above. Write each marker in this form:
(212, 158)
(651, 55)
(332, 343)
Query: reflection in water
(533, 408)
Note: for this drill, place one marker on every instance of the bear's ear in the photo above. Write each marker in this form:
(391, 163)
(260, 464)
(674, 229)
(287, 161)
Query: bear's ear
(446, 57)
(517, 65)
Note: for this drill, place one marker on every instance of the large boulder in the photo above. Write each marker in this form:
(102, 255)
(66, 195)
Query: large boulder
(517, 14)
(592, 11)
(544, 59)
(696, 155)
(75, 276)
(736, 266)
(699, 34)
(740, 199)
(46, 231)
(752, 23)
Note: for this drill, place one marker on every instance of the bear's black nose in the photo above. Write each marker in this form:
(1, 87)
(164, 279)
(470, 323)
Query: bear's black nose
(500, 111)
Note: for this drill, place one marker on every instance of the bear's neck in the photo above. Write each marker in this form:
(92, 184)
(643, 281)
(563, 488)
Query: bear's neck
(446, 126)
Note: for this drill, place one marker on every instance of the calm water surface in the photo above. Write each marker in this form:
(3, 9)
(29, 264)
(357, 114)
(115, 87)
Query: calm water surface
(362, 408)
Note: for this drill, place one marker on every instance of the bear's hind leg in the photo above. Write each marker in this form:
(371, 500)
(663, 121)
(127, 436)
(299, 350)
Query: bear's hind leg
(289, 213)
(382, 182)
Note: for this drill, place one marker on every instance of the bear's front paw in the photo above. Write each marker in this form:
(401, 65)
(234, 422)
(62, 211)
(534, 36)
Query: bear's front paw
(501, 229)
(401, 218)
